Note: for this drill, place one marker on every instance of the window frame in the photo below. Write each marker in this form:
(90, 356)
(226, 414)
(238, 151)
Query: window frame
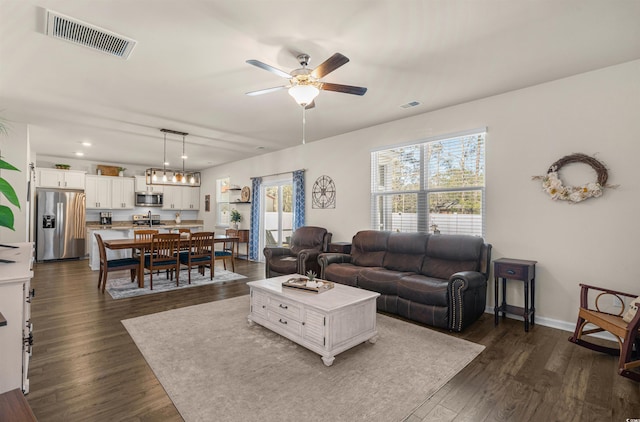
(382, 214)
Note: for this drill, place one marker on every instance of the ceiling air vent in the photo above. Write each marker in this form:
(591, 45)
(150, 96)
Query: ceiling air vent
(411, 104)
(85, 34)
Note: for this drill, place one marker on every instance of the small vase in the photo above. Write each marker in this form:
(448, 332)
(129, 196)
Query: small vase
(178, 220)
(235, 226)
(121, 174)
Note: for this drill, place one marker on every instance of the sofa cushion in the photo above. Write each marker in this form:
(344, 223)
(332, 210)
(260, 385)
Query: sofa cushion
(380, 280)
(426, 290)
(405, 251)
(368, 248)
(343, 273)
(283, 264)
(450, 254)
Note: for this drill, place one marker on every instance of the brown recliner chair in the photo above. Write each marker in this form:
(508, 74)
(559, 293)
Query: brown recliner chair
(306, 244)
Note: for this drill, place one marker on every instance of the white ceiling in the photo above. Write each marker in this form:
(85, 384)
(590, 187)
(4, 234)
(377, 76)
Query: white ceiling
(188, 70)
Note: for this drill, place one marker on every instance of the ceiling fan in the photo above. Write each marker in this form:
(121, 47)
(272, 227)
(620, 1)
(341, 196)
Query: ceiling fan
(305, 84)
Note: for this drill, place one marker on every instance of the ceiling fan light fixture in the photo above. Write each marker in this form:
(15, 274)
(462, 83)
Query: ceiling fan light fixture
(304, 94)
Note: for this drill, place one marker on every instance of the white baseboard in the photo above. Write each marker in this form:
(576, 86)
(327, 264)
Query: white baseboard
(556, 323)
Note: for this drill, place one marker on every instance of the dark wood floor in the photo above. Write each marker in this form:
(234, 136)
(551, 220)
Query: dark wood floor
(85, 367)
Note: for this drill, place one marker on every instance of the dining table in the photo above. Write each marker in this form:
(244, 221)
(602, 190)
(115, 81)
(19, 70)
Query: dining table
(145, 244)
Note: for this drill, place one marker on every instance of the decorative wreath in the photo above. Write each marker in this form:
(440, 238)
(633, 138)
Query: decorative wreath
(553, 185)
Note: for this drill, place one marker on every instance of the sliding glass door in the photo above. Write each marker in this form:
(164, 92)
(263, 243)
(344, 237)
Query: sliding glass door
(277, 213)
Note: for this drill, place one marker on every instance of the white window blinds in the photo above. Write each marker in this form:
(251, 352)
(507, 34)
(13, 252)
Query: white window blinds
(435, 185)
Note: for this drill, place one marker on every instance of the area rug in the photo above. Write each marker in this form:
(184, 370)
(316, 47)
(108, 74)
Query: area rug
(216, 368)
(120, 288)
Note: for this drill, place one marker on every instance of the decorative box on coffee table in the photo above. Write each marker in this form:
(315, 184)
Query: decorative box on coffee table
(327, 323)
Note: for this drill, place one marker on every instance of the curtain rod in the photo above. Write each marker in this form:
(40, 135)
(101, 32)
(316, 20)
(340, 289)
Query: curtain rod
(277, 174)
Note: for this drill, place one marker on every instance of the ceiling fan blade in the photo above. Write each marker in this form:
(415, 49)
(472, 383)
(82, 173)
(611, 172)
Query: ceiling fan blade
(269, 68)
(329, 65)
(347, 89)
(267, 90)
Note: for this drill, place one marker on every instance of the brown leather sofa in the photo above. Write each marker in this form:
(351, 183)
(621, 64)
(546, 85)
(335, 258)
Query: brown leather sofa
(439, 280)
(306, 244)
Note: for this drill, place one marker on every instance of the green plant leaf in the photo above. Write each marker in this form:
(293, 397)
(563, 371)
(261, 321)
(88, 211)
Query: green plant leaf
(9, 192)
(6, 217)
(7, 166)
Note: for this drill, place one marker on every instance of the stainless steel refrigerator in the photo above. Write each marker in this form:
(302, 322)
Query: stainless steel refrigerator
(60, 223)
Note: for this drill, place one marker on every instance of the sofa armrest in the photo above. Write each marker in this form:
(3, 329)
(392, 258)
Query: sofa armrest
(325, 259)
(308, 261)
(276, 251)
(467, 298)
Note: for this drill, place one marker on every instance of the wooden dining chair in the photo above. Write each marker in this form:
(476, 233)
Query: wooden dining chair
(113, 265)
(146, 234)
(226, 254)
(623, 326)
(200, 253)
(163, 255)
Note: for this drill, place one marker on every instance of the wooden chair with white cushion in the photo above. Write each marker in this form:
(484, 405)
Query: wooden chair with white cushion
(623, 326)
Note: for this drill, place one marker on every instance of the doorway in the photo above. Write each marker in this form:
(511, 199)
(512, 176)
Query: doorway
(277, 213)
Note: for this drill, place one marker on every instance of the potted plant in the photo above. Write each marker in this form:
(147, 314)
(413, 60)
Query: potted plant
(6, 215)
(121, 171)
(235, 218)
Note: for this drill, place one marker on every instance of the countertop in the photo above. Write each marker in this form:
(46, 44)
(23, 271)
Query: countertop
(125, 225)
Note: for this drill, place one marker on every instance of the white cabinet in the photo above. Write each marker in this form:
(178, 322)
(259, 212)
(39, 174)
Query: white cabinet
(122, 193)
(181, 198)
(106, 192)
(172, 199)
(98, 192)
(327, 323)
(190, 198)
(63, 179)
(15, 298)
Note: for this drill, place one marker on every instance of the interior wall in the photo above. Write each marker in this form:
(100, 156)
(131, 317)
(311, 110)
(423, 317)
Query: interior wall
(14, 149)
(592, 242)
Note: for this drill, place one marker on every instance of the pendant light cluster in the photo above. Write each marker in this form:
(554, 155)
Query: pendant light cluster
(164, 176)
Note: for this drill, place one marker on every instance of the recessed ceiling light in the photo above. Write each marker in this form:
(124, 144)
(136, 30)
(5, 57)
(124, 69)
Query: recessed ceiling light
(86, 144)
(260, 147)
(79, 153)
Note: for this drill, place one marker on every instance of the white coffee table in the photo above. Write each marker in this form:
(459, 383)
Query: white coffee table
(326, 323)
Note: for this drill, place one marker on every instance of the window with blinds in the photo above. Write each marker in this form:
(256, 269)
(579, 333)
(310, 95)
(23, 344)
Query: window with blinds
(436, 185)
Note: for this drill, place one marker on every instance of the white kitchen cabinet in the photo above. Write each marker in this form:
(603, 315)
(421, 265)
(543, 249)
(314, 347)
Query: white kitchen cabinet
(190, 198)
(172, 199)
(15, 303)
(106, 192)
(181, 198)
(122, 193)
(63, 179)
(98, 192)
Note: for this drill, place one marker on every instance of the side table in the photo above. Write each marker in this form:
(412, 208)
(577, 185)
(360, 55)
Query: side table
(340, 247)
(515, 269)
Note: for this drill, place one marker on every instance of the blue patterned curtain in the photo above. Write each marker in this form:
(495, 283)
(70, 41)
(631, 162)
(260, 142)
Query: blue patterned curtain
(254, 234)
(298, 199)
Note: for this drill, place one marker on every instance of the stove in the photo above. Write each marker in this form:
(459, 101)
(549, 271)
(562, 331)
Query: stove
(144, 220)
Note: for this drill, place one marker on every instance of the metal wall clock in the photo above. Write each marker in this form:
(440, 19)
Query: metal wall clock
(323, 193)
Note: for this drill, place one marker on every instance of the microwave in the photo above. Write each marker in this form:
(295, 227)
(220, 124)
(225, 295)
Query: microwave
(149, 199)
